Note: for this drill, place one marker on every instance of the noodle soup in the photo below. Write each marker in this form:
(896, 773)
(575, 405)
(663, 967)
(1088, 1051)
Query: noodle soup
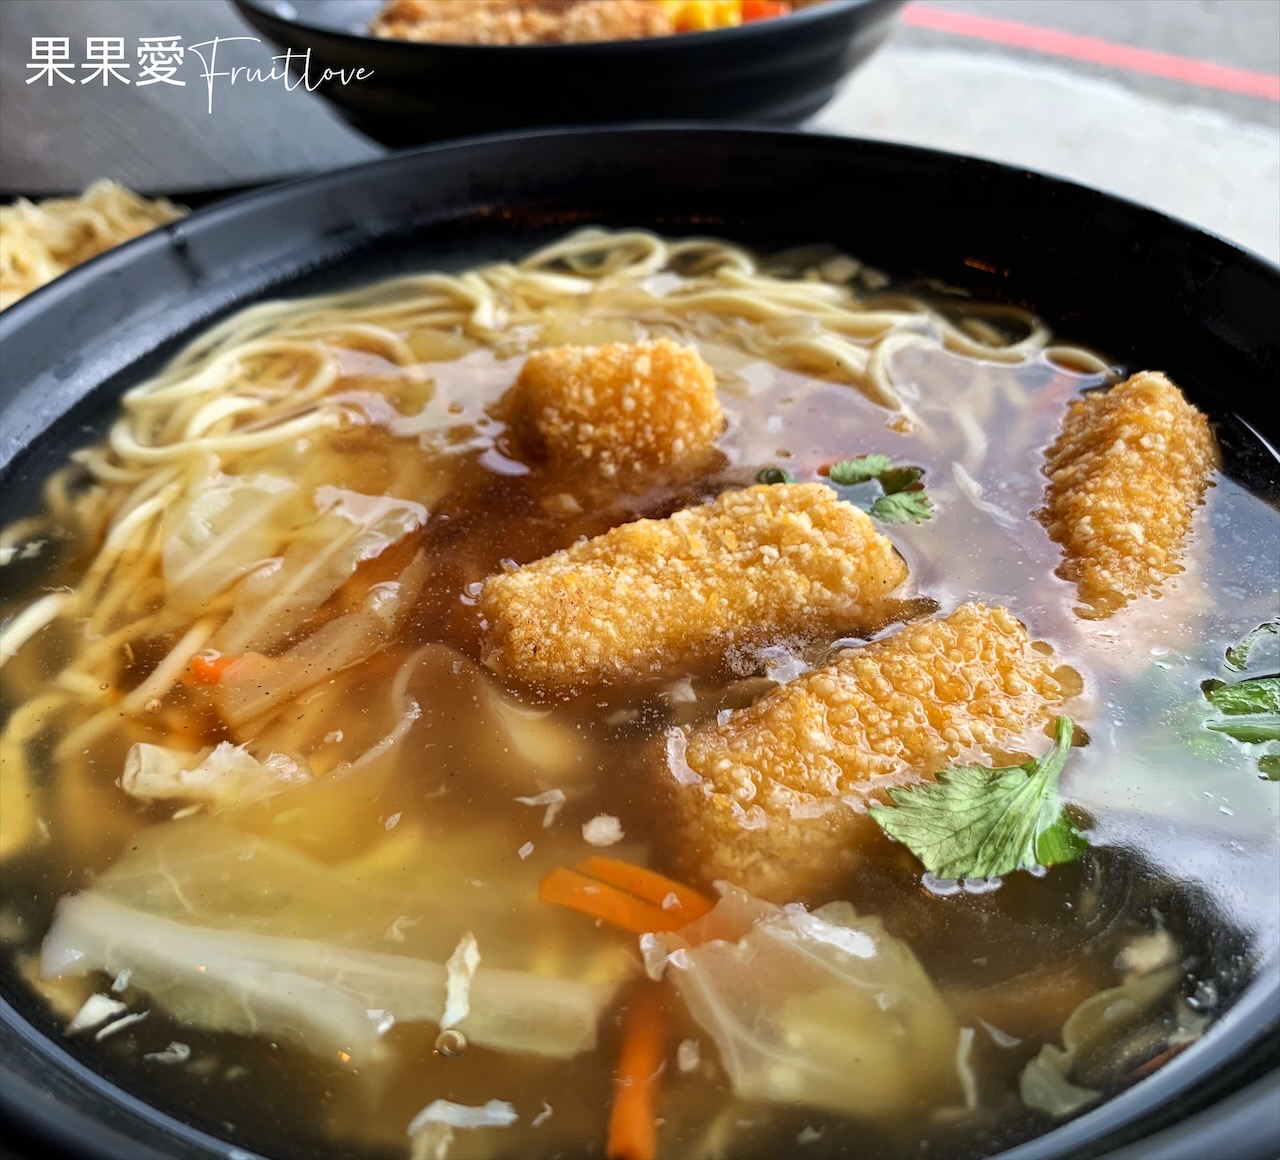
(547, 710)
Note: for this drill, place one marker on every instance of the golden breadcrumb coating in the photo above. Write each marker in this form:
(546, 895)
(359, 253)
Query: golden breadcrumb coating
(520, 21)
(1126, 474)
(621, 410)
(754, 565)
(773, 798)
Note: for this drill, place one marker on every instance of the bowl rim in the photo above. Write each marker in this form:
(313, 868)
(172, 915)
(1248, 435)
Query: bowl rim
(1249, 1022)
(268, 12)
(210, 213)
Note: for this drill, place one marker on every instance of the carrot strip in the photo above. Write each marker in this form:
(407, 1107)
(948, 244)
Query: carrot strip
(633, 1130)
(208, 669)
(1156, 1062)
(562, 887)
(653, 887)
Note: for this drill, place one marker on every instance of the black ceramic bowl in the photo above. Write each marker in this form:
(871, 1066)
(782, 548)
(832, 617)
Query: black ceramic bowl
(775, 71)
(1148, 290)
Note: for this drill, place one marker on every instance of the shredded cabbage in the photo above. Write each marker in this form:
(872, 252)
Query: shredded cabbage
(257, 684)
(602, 830)
(221, 775)
(174, 1053)
(316, 994)
(96, 1010)
(431, 1130)
(228, 526)
(539, 739)
(494, 1114)
(208, 873)
(1046, 1082)
(553, 799)
(277, 599)
(231, 931)
(460, 969)
(119, 1025)
(510, 749)
(821, 1008)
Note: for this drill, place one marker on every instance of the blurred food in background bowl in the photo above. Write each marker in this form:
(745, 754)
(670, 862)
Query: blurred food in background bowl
(41, 241)
(770, 68)
(566, 21)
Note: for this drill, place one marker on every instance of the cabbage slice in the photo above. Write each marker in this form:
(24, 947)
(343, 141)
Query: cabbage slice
(222, 775)
(256, 684)
(226, 526)
(464, 728)
(275, 601)
(815, 1007)
(325, 997)
(232, 931)
(1047, 1081)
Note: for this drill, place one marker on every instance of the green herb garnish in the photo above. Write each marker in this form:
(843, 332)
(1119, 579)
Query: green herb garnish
(1238, 654)
(1250, 709)
(903, 507)
(774, 475)
(977, 822)
(1253, 730)
(1256, 695)
(859, 470)
(902, 497)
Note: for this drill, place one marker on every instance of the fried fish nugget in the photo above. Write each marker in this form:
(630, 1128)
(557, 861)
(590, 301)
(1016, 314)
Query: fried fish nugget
(618, 410)
(1126, 474)
(773, 798)
(754, 565)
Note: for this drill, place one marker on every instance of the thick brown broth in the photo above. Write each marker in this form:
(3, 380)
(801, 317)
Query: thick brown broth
(429, 842)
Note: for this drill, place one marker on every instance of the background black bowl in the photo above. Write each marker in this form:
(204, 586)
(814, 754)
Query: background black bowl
(1148, 290)
(775, 71)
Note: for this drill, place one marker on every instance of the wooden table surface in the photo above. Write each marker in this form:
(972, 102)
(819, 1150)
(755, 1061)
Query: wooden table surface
(157, 137)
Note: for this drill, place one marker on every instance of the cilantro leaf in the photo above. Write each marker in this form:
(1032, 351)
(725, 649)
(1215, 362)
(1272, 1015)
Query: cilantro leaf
(1062, 842)
(1250, 709)
(1253, 728)
(774, 475)
(1269, 766)
(898, 479)
(1258, 695)
(902, 499)
(859, 470)
(976, 822)
(903, 507)
(1238, 654)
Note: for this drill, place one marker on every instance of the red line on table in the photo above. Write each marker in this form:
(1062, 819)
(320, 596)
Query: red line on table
(1095, 50)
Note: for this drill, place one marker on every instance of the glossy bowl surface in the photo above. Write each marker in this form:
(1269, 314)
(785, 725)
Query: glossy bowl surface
(1145, 288)
(775, 71)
